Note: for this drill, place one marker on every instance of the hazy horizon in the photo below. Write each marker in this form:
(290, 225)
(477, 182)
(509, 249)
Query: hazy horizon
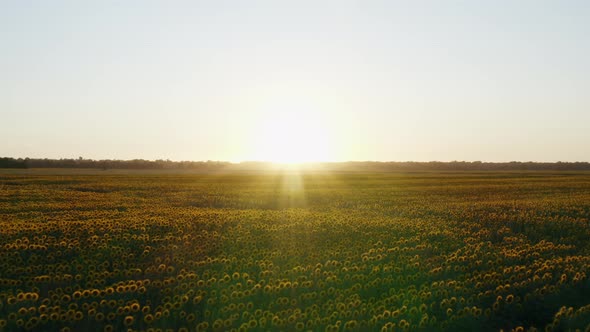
(298, 81)
(308, 162)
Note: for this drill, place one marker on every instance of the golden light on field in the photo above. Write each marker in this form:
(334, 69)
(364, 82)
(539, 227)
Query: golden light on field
(292, 134)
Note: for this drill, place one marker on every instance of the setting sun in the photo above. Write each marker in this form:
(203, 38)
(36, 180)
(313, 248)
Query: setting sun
(292, 135)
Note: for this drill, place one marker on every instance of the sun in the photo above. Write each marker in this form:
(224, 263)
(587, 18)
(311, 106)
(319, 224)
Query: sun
(292, 135)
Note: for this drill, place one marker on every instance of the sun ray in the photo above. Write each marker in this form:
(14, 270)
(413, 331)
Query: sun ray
(292, 187)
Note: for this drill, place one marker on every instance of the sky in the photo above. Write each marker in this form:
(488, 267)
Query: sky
(296, 80)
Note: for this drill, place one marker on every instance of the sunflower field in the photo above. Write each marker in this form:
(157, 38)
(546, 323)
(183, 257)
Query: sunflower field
(290, 251)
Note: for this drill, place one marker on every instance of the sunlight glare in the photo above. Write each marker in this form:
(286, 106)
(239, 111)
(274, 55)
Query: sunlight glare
(292, 135)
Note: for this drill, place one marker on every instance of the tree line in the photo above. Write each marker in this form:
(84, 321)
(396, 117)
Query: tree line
(368, 166)
(7, 162)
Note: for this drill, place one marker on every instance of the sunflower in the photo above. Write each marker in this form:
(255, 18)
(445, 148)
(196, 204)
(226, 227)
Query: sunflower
(128, 320)
(148, 319)
(99, 316)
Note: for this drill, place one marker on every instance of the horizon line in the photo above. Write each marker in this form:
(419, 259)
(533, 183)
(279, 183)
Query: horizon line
(298, 163)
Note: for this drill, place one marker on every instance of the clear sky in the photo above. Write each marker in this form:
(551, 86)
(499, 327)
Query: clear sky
(296, 80)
